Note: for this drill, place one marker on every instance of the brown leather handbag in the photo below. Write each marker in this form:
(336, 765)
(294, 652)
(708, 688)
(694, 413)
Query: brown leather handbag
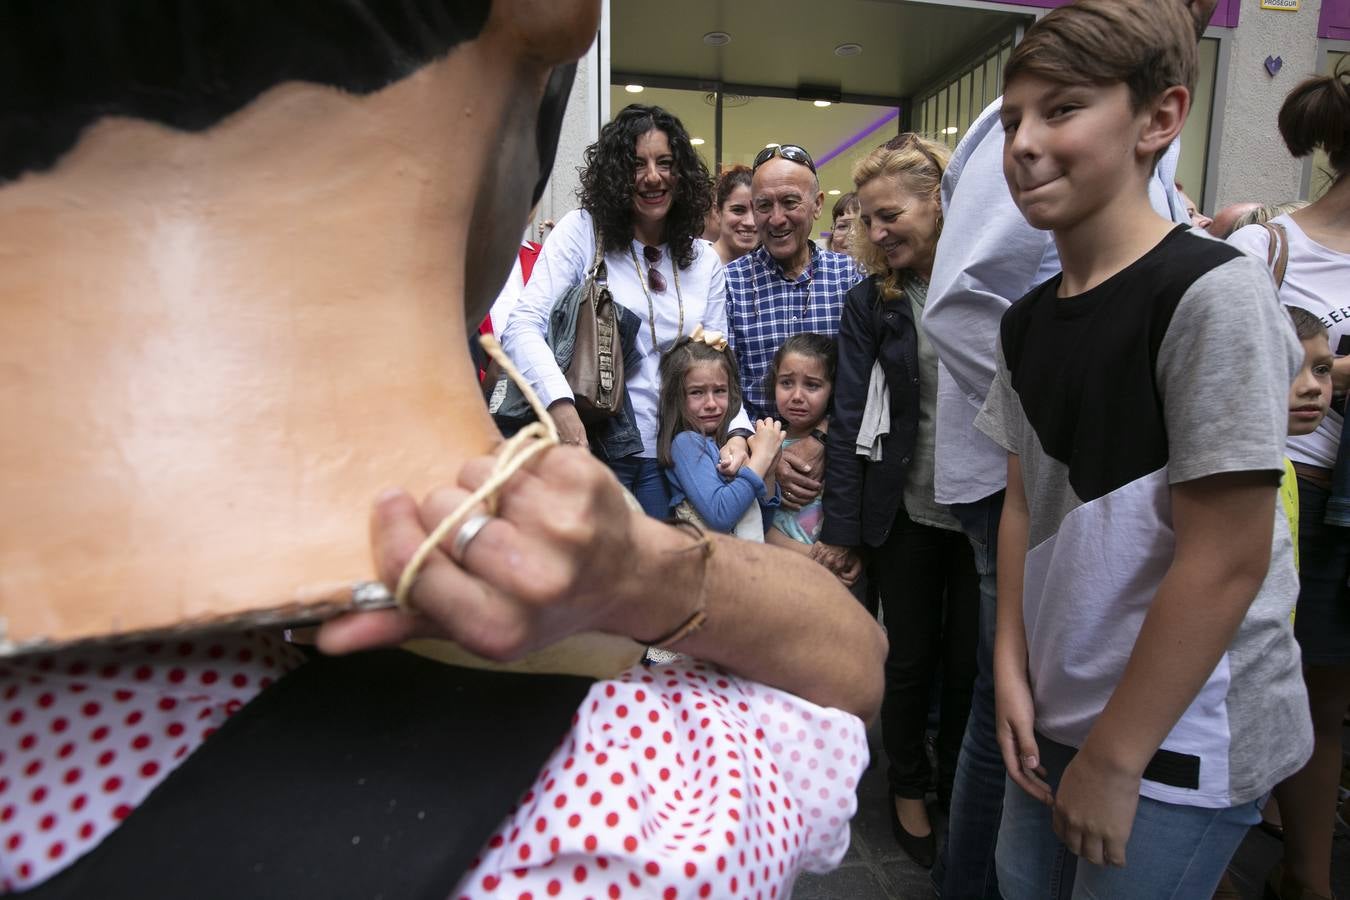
(595, 371)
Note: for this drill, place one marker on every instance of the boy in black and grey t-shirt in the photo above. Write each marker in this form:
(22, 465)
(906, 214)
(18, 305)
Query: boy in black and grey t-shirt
(1147, 680)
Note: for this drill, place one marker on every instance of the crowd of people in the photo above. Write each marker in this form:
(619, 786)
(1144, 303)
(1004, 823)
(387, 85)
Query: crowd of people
(832, 402)
(1078, 444)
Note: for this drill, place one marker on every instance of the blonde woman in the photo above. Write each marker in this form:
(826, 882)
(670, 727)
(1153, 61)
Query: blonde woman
(879, 465)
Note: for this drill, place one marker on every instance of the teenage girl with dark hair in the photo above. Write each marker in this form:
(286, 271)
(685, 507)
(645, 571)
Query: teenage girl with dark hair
(1316, 114)
(646, 192)
(737, 235)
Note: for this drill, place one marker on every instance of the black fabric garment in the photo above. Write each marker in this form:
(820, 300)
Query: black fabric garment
(188, 64)
(861, 497)
(1073, 399)
(930, 591)
(611, 440)
(374, 775)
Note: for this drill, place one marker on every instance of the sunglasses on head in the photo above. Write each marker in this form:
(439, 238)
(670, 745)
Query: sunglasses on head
(900, 141)
(790, 152)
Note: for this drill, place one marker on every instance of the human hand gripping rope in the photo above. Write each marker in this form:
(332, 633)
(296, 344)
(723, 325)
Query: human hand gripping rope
(518, 450)
(530, 442)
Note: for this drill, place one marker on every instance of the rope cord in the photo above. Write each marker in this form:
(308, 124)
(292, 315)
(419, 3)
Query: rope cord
(518, 450)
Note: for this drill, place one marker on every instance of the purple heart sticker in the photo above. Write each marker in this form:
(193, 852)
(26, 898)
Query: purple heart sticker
(1273, 64)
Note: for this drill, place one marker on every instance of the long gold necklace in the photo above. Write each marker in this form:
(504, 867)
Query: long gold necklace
(651, 310)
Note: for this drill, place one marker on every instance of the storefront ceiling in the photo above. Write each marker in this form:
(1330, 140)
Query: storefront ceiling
(783, 43)
(906, 46)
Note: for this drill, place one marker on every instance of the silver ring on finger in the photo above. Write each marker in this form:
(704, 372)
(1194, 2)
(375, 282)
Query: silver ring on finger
(467, 532)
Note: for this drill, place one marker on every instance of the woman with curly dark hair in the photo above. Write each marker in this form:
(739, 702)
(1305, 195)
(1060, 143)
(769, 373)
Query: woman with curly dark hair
(644, 195)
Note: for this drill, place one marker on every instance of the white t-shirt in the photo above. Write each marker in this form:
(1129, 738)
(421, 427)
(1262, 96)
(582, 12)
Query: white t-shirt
(1317, 279)
(563, 261)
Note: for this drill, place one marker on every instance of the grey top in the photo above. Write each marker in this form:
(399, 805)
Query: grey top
(987, 257)
(1175, 369)
(920, 504)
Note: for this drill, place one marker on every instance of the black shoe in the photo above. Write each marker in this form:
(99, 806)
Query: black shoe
(923, 850)
(1270, 828)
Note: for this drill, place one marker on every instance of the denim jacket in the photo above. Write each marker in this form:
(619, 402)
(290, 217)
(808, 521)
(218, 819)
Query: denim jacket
(612, 439)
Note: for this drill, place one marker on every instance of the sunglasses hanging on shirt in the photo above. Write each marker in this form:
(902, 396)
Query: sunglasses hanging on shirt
(658, 286)
(655, 280)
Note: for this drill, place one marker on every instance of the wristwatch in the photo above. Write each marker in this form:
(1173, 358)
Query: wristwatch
(818, 435)
(740, 433)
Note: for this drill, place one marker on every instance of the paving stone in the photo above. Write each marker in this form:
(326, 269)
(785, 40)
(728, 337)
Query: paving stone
(855, 882)
(906, 881)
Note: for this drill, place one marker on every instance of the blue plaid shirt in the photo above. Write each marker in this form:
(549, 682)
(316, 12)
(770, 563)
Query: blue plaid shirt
(764, 309)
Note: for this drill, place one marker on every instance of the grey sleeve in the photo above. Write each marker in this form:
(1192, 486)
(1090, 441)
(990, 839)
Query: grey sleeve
(1224, 371)
(1002, 411)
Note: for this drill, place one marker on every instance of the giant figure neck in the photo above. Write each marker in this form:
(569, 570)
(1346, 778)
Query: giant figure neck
(218, 348)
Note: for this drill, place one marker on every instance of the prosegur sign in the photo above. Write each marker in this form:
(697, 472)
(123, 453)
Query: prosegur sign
(1282, 5)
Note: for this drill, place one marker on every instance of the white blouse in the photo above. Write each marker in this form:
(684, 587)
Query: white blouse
(1317, 279)
(566, 255)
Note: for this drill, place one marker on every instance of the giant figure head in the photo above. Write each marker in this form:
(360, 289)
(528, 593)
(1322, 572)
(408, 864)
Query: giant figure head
(240, 246)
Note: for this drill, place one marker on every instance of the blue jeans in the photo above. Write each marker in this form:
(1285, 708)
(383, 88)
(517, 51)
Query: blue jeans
(1174, 851)
(966, 869)
(646, 480)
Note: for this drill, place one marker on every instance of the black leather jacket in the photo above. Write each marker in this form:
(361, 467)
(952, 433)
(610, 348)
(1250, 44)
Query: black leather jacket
(861, 498)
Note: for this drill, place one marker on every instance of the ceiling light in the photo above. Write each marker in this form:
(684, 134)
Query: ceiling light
(950, 129)
(769, 146)
(634, 88)
(717, 39)
(833, 193)
(697, 142)
(821, 104)
(848, 50)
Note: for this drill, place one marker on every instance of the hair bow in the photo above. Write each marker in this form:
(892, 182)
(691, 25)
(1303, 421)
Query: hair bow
(714, 339)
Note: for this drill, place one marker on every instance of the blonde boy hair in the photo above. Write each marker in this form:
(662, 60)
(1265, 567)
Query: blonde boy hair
(918, 165)
(1148, 46)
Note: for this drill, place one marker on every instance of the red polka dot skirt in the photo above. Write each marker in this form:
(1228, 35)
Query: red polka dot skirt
(86, 735)
(680, 781)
